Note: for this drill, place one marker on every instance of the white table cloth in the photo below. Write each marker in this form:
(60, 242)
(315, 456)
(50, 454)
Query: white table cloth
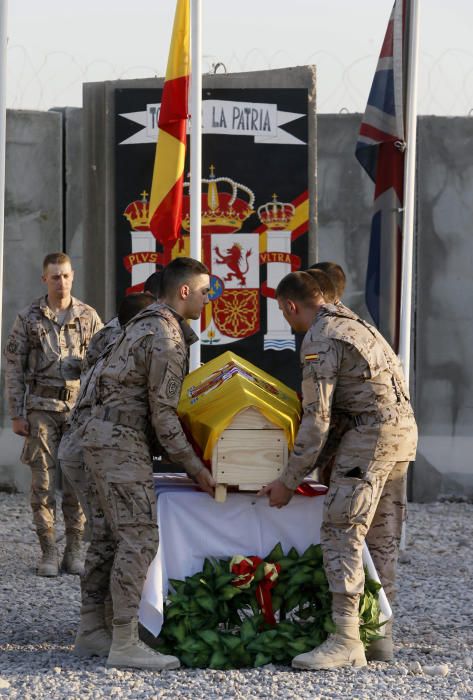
(193, 526)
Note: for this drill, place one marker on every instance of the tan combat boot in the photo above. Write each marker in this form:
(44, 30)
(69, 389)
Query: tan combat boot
(72, 560)
(48, 564)
(343, 648)
(129, 652)
(93, 637)
(382, 649)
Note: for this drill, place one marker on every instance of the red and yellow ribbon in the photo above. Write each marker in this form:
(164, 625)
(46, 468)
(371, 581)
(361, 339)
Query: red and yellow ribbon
(244, 569)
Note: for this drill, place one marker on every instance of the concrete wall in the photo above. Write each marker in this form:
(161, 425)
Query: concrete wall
(345, 197)
(33, 227)
(442, 378)
(443, 371)
(444, 318)
(73, 196)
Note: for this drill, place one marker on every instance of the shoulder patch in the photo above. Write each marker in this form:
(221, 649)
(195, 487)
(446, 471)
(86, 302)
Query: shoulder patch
(171, 388)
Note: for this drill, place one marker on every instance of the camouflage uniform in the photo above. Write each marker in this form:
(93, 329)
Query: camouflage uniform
(70, 448)
(44, 361)
(351, 373)
(102, 339)
(139, 386)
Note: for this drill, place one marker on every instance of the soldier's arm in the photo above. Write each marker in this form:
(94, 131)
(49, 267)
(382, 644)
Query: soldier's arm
(324, 463)
(165, 376)
(318, 384)
(16, 354)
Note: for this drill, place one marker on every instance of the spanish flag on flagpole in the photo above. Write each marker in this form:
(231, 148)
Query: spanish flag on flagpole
(165, 208)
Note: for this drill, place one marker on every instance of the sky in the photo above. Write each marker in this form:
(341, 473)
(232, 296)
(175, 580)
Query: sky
(56, 45)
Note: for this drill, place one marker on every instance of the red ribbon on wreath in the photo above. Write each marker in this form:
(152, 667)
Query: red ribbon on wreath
(244, 569)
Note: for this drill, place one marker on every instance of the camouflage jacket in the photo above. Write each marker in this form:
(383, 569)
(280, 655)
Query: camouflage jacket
(142, 376)
(106, 335)
(41, 354)
(351, 374)
(70, 447)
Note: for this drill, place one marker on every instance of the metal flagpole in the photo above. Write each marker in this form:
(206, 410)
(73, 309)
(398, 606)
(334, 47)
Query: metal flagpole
(409, 191)
(196, 155)
(3, 119)
(409, 203)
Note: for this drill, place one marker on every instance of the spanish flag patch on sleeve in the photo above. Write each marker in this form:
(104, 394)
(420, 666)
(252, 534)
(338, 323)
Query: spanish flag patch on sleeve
(313, 357)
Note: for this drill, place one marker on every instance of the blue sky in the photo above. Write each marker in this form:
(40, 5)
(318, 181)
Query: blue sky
(56, 45)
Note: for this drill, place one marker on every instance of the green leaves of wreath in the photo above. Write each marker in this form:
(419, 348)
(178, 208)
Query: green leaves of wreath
(210, 623)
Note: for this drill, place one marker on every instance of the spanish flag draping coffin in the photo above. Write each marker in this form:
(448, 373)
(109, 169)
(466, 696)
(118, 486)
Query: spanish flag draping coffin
(241, 419)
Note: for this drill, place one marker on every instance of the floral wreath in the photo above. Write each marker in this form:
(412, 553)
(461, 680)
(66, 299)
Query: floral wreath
(248, 611)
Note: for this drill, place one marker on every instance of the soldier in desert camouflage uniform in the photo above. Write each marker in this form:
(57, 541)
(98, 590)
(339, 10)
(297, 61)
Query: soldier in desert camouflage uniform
(391, 510)
(139, 386)
(44, 354)
(70, 452)
(339, 424)
(348, 369)
(70, 448)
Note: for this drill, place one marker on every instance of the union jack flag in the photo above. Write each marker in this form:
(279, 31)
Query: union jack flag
(380, 151)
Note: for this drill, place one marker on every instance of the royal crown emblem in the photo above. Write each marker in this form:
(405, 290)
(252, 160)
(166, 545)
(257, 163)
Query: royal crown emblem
(223, 211)
(137, 213)
(276, 215)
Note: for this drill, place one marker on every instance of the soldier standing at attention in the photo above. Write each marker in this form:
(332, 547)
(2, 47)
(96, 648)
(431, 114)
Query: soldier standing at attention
(44, 354)
(138, 388)
(348, 369)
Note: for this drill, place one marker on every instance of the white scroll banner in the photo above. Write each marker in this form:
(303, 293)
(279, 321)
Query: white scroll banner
(261, 120)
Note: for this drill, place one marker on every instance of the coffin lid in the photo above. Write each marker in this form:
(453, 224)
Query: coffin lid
(224, 387)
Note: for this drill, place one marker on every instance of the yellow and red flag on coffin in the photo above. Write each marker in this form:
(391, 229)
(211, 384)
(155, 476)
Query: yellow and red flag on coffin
(165, 207)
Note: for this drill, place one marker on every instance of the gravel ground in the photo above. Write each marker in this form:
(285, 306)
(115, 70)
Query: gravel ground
(434, 633)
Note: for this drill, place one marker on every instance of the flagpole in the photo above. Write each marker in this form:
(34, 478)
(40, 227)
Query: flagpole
(196, 155)
(3, 120)
(409, 192)
(409, 203)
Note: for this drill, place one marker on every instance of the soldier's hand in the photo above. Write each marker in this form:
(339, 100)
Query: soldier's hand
(21, 426)
(206, 481)
(279, 495)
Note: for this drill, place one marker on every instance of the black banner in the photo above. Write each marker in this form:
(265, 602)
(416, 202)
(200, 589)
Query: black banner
(254, 213)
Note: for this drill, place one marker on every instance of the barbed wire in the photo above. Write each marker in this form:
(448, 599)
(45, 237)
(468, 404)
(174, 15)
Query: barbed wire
(55, 78)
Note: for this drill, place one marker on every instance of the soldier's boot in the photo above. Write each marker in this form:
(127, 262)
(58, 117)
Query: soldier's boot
(382, 649)
(129, 652)
(343, 648)
(72, 562)
(93, 637)
(48, 564)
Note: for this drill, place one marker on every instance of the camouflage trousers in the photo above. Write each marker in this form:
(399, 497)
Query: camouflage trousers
(124, 531)
(363, 503)
(71, 459)
(40, 452)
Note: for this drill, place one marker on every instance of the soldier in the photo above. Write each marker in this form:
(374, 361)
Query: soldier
(336, 274)
(394, 493)
(44, 355)
(70, 448)
(339, 424)
(348, 368)
(139, 385)
(106, 335)
(153, 284)
(111, 330)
